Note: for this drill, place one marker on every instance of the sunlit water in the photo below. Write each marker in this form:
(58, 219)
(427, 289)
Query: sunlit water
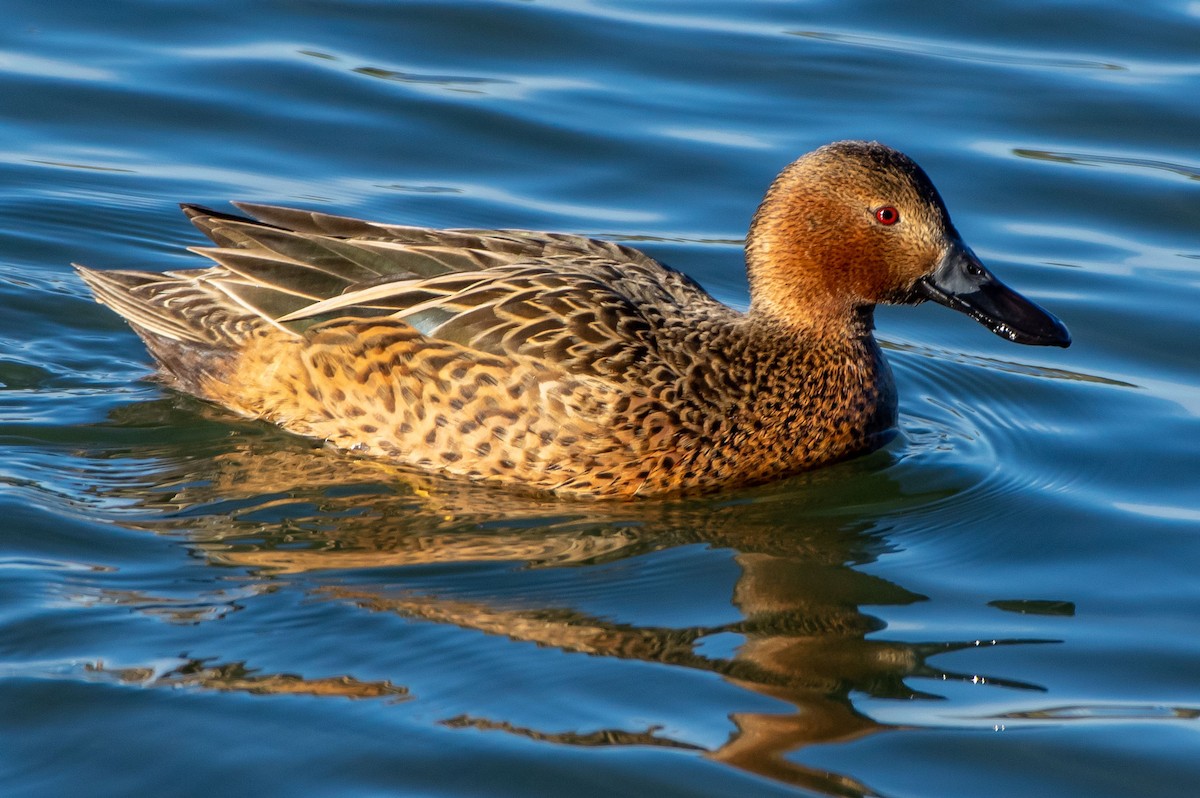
(1004, 601)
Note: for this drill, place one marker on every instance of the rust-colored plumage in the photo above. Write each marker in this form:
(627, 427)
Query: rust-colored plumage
(559, 362)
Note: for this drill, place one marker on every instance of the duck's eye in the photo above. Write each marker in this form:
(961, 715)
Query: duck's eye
(887, 215)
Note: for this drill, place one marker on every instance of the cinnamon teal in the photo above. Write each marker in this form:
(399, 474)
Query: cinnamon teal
(566, 363)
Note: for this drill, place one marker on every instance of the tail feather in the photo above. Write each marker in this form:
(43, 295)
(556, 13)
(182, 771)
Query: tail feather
(132, 295)
(191, 329)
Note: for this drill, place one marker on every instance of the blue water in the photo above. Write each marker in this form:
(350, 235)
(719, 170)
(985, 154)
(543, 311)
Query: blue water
(1004, 601)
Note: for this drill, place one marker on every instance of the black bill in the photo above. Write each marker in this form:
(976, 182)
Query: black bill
(961, 282)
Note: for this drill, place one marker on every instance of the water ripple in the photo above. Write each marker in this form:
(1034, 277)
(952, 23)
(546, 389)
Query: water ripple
(1105, 712)
(938, 49)
(1097, 159)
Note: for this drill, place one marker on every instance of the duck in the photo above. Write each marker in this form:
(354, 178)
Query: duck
(567, 364)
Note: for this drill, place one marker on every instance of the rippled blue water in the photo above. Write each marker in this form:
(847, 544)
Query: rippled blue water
(1003, 601)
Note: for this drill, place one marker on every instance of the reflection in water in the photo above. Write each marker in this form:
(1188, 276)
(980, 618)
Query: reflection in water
(211, 605)
(279, 507)
(236, 677)
(593, 739)
(1035, 606)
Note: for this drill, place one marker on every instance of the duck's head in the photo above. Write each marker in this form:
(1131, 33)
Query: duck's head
(855, 224)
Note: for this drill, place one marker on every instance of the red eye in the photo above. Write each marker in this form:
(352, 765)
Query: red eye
(887, 215)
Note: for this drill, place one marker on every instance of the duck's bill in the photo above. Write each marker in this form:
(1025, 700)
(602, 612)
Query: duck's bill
(961, 282)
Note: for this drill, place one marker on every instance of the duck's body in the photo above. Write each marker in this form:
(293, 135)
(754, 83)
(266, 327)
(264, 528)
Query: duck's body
(556, 362)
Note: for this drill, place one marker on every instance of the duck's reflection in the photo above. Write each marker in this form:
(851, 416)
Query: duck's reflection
(280, 506)
(238, 677)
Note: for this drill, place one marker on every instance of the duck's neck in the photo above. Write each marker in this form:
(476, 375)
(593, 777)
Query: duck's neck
(816, 394)
(834, 351)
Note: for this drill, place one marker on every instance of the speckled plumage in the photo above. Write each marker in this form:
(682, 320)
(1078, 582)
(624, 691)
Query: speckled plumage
(554, 361)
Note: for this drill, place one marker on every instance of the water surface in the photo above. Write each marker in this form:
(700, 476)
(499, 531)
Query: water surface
(1002, 601)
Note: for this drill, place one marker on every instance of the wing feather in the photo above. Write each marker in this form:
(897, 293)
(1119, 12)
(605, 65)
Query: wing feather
(588, 306)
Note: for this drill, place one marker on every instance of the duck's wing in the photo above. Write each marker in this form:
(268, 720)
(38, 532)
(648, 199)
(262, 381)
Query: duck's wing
(587, 305)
